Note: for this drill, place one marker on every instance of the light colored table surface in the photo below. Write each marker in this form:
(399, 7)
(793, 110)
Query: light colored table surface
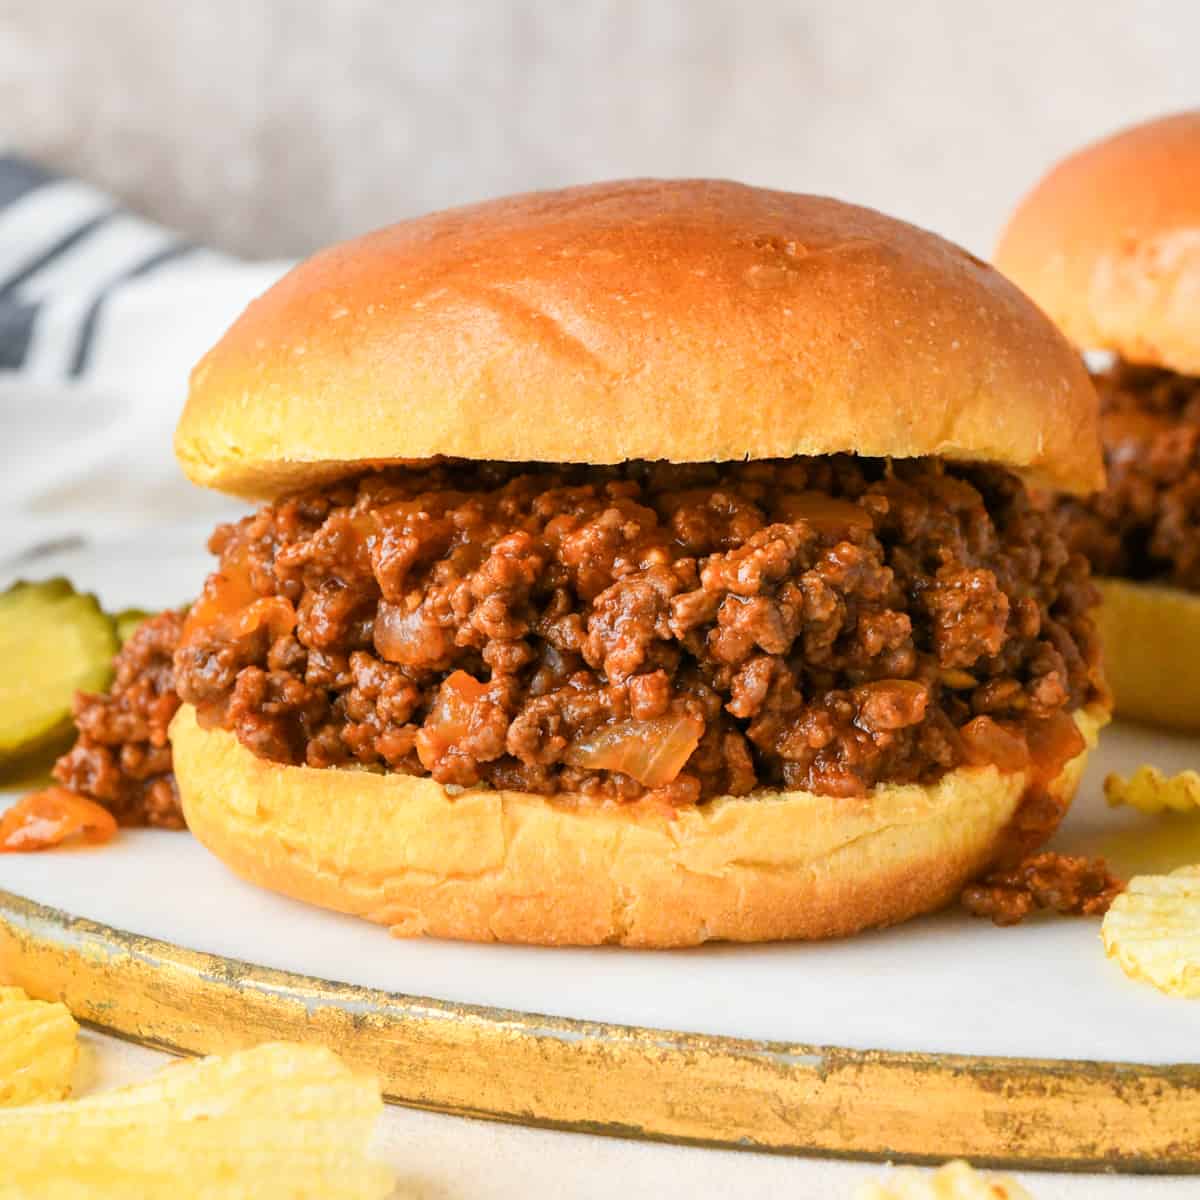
(452, 1158)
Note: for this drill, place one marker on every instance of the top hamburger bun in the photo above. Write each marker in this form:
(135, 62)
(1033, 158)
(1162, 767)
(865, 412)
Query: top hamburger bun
(688, 321)
(1108, 244)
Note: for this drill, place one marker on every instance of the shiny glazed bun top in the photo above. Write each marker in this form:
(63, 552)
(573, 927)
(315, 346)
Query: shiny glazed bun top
(689, 320)
(1108, 244)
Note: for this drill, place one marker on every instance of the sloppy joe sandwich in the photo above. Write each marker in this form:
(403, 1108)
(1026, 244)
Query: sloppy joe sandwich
(1108, 243)
(646, 563)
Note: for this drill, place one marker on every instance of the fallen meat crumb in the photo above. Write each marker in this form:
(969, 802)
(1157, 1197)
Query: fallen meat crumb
(1071, 885)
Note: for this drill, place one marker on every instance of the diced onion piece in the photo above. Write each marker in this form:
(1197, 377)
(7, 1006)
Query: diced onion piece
(828, 514)
(226, 593)
(273, 613)
(957, 679)
(456, 697)
(409, 637)
(652, 752)
(989, 742)
(450, 717)
(230, 604)
(1053, 742)
(891, 703)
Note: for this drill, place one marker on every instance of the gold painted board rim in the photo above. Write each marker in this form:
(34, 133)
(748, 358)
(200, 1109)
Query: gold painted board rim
(620, 1080)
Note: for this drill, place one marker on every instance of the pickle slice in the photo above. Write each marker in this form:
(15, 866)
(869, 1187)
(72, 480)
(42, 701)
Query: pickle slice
(54, 641)
(127, 620)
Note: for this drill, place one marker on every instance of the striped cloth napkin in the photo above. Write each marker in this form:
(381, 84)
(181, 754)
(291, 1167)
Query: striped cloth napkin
(102, 315)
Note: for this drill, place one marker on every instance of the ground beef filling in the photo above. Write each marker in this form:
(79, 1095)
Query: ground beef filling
(122, 758)
(826, 624)
(1081, 887)
(1146, 524)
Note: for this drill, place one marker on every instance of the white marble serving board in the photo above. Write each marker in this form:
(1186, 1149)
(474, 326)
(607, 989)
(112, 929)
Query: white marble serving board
(946, 983)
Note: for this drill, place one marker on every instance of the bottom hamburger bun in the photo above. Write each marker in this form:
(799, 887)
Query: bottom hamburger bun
(1151, 637)
(487, 865)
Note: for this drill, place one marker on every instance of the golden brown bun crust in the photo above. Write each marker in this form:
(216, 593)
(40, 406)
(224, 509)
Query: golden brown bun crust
(692, 321)
(1151, 637)
(1109, 244)
(513, 867)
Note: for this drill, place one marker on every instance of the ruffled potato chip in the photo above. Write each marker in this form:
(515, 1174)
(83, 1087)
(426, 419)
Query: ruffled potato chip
(39, 1047)
(955, 1181)
(277, 1121)
(1153, 931)
(1150, 791)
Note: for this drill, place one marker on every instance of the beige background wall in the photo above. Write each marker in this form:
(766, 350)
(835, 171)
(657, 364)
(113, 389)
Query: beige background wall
(270, 126)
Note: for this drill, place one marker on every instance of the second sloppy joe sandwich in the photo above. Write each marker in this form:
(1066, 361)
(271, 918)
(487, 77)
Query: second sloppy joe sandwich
(1108, 243)
(647, 563)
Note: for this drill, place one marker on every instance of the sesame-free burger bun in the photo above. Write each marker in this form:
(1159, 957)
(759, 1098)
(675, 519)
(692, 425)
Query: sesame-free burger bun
(1151, 638)
(691, 321)
(490, 865)
(1108, 244)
